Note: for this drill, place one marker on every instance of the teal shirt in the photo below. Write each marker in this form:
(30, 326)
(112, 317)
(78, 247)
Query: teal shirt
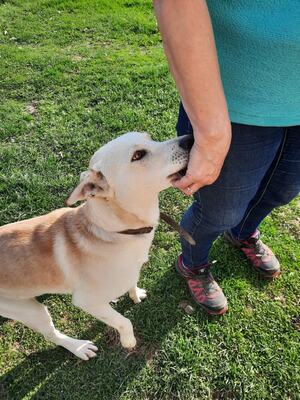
(258, 44)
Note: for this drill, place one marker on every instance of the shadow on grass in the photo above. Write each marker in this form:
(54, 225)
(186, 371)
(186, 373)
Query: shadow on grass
(234, 262)
(57, 374)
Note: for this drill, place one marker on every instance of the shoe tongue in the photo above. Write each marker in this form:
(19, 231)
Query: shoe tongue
(253, 238)
(201, 270)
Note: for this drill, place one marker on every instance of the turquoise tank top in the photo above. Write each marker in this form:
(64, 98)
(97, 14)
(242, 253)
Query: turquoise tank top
(258, 44)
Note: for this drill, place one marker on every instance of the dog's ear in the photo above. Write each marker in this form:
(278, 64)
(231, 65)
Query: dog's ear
(92, 183)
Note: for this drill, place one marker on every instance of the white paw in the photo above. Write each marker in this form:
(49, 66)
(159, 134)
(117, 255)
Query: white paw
(128, 342)
(141, 294)
(83, 349)
(138, 295)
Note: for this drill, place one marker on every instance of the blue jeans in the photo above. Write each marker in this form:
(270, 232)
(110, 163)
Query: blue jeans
(260, 172)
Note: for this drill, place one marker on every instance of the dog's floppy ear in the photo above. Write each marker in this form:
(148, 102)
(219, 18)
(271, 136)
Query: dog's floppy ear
(92, 184)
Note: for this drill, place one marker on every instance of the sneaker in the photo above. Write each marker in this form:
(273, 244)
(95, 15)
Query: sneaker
(203, 288)
(259, 254)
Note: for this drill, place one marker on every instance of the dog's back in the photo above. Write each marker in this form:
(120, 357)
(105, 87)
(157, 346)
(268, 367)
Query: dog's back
(27, 261)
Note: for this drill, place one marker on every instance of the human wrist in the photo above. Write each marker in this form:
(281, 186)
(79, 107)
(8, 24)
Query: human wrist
(212, 132)
(211, 124)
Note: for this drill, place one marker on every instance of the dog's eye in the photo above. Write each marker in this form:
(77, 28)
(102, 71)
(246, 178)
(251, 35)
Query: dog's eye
(138, 155)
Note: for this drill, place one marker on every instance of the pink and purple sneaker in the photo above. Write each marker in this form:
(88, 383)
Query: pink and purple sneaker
(203, 288)
(259, 254)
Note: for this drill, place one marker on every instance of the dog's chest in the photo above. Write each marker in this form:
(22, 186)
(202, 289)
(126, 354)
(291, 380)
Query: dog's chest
(118, 268)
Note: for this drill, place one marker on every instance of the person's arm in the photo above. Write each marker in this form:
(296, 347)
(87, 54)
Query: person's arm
(188, 40)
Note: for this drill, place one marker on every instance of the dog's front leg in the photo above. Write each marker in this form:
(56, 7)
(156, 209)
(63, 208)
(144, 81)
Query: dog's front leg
(111, 317)
(137, 294)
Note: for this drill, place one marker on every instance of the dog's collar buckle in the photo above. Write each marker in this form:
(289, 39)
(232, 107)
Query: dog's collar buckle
(139, 231)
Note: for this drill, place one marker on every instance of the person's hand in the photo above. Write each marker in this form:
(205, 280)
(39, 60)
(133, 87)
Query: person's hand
(206, 160)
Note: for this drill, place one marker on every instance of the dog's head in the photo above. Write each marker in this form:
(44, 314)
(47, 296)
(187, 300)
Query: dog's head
(132, 165)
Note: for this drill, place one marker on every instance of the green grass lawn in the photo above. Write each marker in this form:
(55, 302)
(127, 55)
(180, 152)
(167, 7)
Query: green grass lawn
(75, 74)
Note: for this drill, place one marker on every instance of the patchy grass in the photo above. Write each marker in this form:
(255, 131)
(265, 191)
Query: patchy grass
(75, 74)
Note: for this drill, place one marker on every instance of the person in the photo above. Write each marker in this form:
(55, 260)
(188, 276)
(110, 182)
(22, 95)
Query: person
(237, 68)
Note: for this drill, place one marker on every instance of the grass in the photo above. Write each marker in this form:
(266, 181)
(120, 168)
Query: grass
(75, 74)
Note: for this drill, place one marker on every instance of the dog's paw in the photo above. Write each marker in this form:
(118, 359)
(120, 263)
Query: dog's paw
(128, 342)
(83, 349)
(137, 295)
(141, 294)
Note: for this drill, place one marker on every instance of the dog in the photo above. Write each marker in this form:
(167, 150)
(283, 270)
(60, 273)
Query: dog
(94, 251)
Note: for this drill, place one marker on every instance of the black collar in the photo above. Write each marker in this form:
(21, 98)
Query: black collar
(139, 231)
(147, 229)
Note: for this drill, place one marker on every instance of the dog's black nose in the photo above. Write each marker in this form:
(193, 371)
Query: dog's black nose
(186, 142)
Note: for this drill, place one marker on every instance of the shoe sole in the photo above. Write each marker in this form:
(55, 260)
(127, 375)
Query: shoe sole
(268, 277)
(260, 272)
(208, 310)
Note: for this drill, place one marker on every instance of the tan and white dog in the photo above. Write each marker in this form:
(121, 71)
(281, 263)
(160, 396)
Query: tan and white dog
(94, 251)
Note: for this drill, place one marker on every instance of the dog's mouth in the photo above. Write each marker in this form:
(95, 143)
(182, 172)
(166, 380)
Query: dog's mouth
(177, 175)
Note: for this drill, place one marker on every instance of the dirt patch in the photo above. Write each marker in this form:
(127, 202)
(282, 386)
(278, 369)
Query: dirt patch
(111, 338)
(223, 395)
(3, 392)
(296, 322)
(146, 351)
(77, 58)
(185, 306)
(32, 109)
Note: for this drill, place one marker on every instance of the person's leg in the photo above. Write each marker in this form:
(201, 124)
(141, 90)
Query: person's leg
(280, 185)
(222, 205)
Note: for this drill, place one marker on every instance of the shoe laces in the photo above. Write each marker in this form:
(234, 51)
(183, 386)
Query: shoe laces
(204, 271)
(256, 244)
(206, 277)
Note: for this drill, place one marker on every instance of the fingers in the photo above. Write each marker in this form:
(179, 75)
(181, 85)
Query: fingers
(187, 185)
(183, 183)
(205, 163)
